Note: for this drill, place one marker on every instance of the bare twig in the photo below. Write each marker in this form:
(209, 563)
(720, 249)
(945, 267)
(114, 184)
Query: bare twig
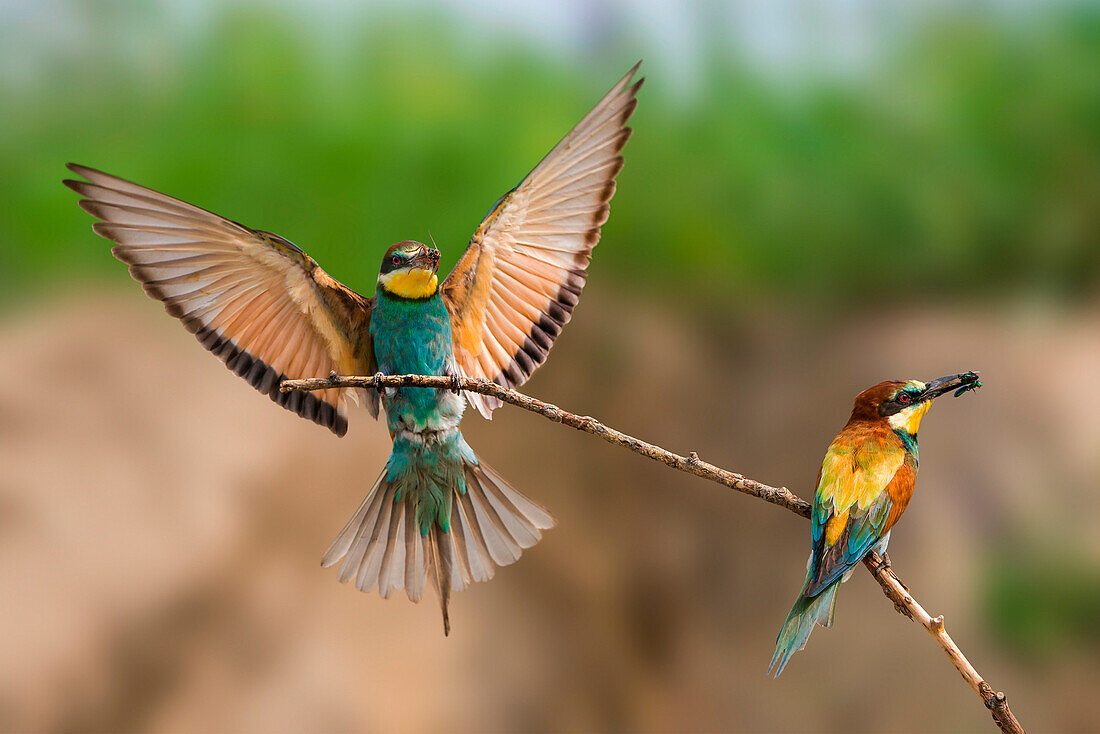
(880, 569)
(906, 605)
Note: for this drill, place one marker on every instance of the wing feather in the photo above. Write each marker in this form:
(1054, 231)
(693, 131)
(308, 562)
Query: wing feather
(864, 485)
(516, 285)
(255, 300)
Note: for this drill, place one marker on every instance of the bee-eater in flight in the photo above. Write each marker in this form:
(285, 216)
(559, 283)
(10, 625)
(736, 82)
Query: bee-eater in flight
(267, 310)
(865, 484)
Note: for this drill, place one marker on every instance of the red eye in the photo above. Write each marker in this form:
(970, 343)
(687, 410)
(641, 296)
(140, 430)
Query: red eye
(396, 260)
(904, 398)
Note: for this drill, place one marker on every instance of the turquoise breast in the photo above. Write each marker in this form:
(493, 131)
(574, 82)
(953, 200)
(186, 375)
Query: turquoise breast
(413, 337)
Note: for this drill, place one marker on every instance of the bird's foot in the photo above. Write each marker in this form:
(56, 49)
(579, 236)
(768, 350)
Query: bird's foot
(886, 560)
(883, 564)
(456, 383)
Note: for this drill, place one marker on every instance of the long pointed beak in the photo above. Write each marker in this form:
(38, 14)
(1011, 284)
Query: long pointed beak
(960, 383)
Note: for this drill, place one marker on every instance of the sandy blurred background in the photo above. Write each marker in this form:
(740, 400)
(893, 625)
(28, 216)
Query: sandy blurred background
(818, 196)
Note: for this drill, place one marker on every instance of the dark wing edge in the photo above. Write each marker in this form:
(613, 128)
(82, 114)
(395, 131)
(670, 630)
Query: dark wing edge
(520, 278)
(250, 297)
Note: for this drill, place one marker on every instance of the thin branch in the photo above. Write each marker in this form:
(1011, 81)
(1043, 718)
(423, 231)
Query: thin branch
(879, 568)
(906, 605)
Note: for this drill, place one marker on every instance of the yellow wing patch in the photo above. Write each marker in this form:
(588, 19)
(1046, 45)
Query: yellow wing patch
(835, 527)
(856, 471)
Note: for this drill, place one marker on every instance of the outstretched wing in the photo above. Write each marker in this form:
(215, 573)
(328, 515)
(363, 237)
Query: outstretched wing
(518, 280)
(251, 297)
(864, 486)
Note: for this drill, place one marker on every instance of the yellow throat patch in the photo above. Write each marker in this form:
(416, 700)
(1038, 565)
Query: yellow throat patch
(414, 283)
(908, 420)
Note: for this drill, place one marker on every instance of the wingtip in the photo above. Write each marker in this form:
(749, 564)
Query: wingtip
(339, 426)
(88, 172)
(80, 170)
(628, 79)
(626, 82)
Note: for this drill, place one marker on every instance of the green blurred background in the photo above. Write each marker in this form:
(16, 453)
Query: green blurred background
(817, 196)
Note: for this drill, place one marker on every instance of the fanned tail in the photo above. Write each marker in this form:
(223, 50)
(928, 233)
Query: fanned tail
(806, 612)
(393, 542)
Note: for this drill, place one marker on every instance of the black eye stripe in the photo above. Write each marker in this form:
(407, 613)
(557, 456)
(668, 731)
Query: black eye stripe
(392, 262)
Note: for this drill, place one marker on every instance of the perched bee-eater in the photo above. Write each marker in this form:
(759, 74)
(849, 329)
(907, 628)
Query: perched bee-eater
(270, 313)
(864, 485)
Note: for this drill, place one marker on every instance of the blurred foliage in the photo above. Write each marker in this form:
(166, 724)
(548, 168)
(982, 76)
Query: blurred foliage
(1044, 603)
(967, 161)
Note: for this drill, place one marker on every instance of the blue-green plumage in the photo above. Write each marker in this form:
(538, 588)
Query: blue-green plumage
(436, 512)
(426, 473)
(806, 612)
(413, 337)
(909, 441)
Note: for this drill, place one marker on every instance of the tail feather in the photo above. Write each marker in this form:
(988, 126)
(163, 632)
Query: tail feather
(473, 554)
(367, 573)
(384, 547)
(392, 569)
(503, 548)
(416, 562)
(354, 539)
(521, 518)
(497, 521)
(800, 622)
(442, 570)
